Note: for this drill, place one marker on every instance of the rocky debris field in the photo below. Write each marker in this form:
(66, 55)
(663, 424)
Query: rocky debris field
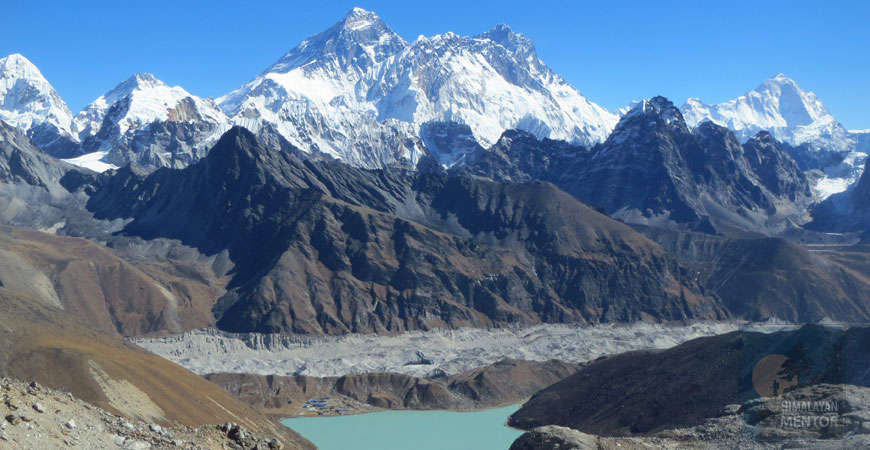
(35, 417)
(450, 351)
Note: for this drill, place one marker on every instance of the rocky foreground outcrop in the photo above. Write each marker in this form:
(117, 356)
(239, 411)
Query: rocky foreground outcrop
(33, 416)
(821, 416)
(644, 392)
(44, 343)
(806, 387)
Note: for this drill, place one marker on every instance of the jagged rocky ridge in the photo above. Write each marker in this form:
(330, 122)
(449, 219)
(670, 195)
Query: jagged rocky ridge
(322, 247)
(31, 191)
(654, 170)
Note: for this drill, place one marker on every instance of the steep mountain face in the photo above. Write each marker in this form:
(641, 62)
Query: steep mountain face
(519, 156)
(30, 103)
(93, 284)
(143, 120)
(322, 247)
(780, 107)
(654, 170)
(32, 191)
(763, 278)
(361, 93)
(22, 163)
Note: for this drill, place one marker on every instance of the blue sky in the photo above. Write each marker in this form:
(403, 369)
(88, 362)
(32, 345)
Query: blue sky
(613, 52)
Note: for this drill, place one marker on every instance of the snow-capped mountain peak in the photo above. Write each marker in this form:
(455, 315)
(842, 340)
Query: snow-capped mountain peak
(359, 92)
(29, 102)
(143, 119)
(137, 101)
(361, 37)
(777, 105)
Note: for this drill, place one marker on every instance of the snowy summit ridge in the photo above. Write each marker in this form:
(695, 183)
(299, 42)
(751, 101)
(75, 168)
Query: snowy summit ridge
(780, 106)
(360, 92)
(142, 118)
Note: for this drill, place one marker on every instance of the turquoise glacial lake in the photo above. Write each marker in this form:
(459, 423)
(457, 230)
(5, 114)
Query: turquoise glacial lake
(410, 430)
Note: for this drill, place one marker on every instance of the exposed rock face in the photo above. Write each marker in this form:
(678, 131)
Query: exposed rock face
(553, 437)
(519, 156)
(93, 284)
(22, 163)
(645, 392)
(502, 383)
(32, 191)
(653, 170)
(326, 248)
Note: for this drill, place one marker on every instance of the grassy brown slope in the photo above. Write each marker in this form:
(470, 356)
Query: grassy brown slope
(104, 291)
(41, 343)
(759, 278)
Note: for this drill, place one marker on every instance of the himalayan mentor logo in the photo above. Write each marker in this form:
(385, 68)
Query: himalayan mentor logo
(769, 377)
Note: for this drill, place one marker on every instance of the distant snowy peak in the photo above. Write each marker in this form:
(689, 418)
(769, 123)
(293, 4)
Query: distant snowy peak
(358, 85)
(29, 102)
(143, 120)
(141, 100)
(779, 106)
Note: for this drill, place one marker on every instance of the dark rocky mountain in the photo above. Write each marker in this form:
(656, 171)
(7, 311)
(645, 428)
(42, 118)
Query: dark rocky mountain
(846, 211)
(653, 170)
(639, 393)
(32, 192)
(519, 156)
(22, 163)
(322, 247)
